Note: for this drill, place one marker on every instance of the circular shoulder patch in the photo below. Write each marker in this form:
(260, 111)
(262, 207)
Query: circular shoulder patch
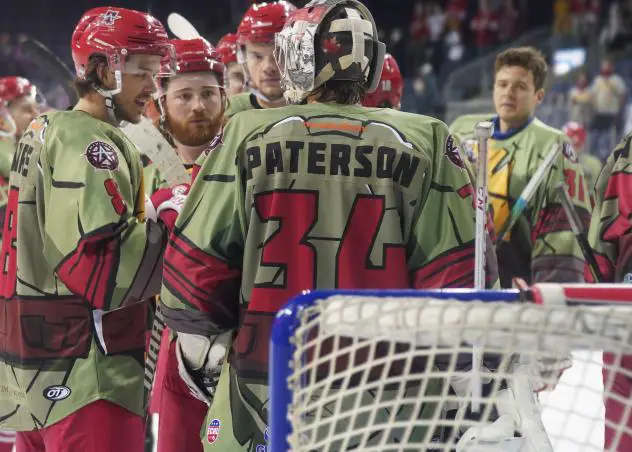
(452, 152)
(569, 152)
(102, 156)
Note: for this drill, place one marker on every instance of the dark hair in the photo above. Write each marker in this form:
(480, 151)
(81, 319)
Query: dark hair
(85, 86)
(528, 58)
(344, 92)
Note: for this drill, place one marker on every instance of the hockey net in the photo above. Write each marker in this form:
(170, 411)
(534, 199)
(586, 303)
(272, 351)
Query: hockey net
(392, 371)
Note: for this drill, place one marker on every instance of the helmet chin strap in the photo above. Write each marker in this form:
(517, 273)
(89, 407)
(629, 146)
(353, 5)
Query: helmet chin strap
(108, 96)
(263, 97)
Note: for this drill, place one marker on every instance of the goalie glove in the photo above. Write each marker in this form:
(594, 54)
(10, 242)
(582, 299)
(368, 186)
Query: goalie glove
(200, 361)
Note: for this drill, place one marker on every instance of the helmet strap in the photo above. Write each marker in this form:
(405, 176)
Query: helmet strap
(108, 97)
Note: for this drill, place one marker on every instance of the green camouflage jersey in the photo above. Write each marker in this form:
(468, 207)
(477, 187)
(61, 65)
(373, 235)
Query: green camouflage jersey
(305, 197)
(610, 233)
(241, 102)
(592, 167)
(541, 246)
(79, 264)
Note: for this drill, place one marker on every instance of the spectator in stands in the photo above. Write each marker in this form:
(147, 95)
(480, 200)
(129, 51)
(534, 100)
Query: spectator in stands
(508, 21)
(608, 92)
(456, 11)
(435, 20)
(485, 27)
(418, 31)
(453, 50)
(580, 104)
(562, 18)
(425, 97)
(7, 65)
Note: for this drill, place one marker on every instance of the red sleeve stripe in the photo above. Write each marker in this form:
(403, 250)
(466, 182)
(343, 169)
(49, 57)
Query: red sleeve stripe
(452, 269)
(90, 270)
(200, 280)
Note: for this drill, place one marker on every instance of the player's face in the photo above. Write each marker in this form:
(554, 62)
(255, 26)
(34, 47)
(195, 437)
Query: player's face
(235, 80)
(23, 110)
(515, 96)
(194, 106)
(263, 70)
(139, 85)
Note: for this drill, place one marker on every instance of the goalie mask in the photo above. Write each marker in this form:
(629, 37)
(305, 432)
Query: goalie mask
(328, 40)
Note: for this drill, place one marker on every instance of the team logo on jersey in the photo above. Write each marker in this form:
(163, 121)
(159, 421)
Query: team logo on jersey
(216, 141)
(102, 156)
(56, 393)
(569, 152)
(452, 152)
(212, 431)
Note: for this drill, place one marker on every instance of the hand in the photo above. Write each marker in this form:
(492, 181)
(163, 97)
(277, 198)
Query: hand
(165, 204)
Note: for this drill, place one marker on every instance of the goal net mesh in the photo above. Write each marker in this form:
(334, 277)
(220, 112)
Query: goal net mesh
(396, 374)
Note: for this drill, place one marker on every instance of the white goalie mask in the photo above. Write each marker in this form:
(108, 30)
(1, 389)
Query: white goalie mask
(309, 55)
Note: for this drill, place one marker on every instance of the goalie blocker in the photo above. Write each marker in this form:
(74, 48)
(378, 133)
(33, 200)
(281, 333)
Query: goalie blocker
(367, 369)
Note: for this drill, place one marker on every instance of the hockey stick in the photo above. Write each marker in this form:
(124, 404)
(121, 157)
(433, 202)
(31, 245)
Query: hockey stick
(529, 191)
(580, 232)
(482, 131)
(153, 144)
(181, 28)
(50, 64)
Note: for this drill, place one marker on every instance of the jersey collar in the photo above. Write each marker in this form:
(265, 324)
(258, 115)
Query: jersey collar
(498, 135)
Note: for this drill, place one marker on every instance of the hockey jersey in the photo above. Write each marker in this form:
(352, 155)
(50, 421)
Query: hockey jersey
(7, 149)
(610, 233)
(305, 197)
(241, 102)
(78, 265)
(541, 246)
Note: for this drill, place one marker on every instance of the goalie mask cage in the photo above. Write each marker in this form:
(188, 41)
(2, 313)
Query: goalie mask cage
(391, 370)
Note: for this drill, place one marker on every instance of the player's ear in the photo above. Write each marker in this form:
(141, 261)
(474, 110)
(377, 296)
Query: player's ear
(539, 96)
(106, 76)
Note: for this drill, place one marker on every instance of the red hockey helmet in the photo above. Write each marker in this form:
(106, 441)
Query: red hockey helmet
(577, 133)
(117, 33)
(262, 21)
(390, 88)
(227, 48)
(12, 88)
(197, 55)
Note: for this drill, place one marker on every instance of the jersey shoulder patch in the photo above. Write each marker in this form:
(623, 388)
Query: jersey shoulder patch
(452, 152)
(102, 156)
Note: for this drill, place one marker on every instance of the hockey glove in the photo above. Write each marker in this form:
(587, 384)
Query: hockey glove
(165, 204)
(200, 361)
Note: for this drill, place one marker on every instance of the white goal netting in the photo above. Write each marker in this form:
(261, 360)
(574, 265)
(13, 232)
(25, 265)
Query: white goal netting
(395, 374)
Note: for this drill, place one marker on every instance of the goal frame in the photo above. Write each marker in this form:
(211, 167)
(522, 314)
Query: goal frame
(287, 321)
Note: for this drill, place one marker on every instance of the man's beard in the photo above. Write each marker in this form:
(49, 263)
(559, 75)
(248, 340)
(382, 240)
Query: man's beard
(190, 134)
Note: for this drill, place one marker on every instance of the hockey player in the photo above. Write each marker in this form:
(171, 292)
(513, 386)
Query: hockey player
(610, 238)
(322, 195)
(255, 48)
(591, 164)
(18, 107)
(389, 91)
(193, 104)
(540, 247)
(227, 50)
(81, 259)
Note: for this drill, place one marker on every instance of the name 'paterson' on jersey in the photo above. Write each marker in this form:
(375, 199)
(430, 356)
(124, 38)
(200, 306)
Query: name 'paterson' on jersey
(335, 159)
